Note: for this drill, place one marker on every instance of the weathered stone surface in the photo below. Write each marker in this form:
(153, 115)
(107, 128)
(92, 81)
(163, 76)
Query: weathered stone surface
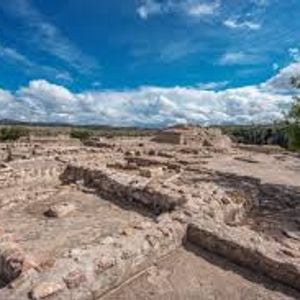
(105, 263)
(44, 290)
(24, 281)
(152, 172)
(11, 261)
(191, 136)
(245, 248)
(125, 187)
(124, 223)
(75, 279)
(60, 210)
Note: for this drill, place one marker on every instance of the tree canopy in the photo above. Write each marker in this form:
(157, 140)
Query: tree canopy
(294, 118)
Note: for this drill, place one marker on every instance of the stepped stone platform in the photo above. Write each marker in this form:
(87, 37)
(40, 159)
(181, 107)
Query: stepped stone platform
(134, 218)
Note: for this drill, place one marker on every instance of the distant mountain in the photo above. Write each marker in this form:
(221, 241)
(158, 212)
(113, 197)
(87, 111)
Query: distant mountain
(10, 122)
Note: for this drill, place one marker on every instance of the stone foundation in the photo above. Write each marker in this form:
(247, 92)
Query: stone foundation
(245, 248)
(126, 188)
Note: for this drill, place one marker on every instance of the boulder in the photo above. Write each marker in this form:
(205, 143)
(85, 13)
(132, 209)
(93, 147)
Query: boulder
(11, 261)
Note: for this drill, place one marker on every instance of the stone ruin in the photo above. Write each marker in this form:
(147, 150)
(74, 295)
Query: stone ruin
(83, 222)
(191, 135)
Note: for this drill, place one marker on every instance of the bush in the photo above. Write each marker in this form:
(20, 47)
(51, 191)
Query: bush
(13, 133)
(294, 118)
(294, 136)
(80, 134)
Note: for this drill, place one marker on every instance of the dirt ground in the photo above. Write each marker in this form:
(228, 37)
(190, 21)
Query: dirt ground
(190, 273)
(109, 220)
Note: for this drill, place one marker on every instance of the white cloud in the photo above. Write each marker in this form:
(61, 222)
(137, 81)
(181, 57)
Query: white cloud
(234, 24)
(150, 106)
(261, 2)
(13, 56)
(193, 8)
(212, 85)
(167, 51)
(202, 9)
(149, 7)
(64, 76)
(295, 54)
(239, 58)
(48, 38)
(5, 97)
(275, 66)
(175, 50)
(282, 81)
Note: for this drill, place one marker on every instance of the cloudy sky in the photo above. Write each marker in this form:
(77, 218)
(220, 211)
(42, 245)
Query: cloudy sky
(148, 62)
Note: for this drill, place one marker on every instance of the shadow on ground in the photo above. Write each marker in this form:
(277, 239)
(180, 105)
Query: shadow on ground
(248, 274)
(275, 209)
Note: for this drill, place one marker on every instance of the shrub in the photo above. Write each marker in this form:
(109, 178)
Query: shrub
(294, 136)
(13, 133)
(80, 134)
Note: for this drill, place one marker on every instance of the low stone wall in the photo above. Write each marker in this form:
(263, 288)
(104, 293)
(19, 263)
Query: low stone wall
(169, 137)
(246, 248)
(150, 162)
(98, 144)
(126, 188)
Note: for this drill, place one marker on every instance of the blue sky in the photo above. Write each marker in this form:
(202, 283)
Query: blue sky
(147, 62)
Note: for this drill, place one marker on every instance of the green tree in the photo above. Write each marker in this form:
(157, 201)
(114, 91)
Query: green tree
(294, 118)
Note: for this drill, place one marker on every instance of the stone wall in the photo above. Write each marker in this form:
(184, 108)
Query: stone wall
(126, 188)
(169, 137)
(246, 248)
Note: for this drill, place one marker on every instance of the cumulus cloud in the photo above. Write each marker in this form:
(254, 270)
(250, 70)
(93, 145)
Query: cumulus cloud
(213, 85)
(151, 106)
(281, 82)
